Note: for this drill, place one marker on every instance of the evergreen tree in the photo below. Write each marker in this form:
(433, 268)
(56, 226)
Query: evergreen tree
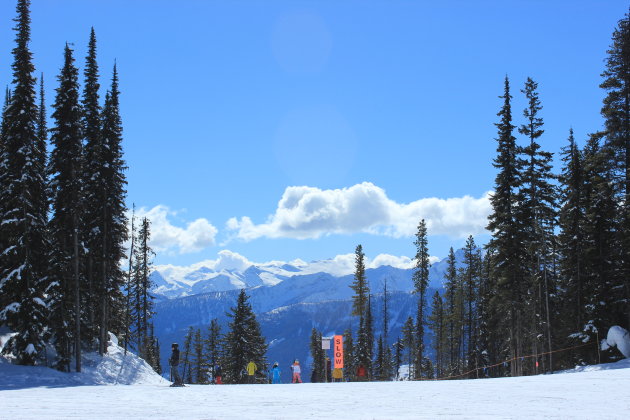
(244, 341)
(111, 221)
(369, 338)
(379, 361)
(186, 357)
(599, 245)
(95, 190)
(507, 232)
(360, 305)
(536, 211)
(572, 222)
(471, 274)
(489, 342)
(385, 314)
(141, 300)
(387, 363)
(399, 347)
(129, 285)
(437, 324)
(452, 312)
(616, 113)
(349, 360)
(318, 373)
(421, 281)
(199, 362)
(65, 167)
(409, 341)
(155, 352)
(23, 261)
(213, 344)
(386, 368)
(359, 285)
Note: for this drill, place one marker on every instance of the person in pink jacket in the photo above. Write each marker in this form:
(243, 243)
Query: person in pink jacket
(297, 372)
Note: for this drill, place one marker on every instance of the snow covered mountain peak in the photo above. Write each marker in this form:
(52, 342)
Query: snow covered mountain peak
(233, 271)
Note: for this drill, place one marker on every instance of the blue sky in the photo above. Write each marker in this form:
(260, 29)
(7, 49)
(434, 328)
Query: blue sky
(298, 129)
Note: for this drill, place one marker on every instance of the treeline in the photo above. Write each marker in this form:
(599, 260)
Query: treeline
(63, 218)
(202, 353)
(554, 276)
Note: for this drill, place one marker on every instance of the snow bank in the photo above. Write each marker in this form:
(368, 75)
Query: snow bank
(621, 364)
(618, 337)
(112, 368)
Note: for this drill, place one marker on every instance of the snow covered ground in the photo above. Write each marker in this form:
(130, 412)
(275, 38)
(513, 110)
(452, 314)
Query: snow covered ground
(596, 392)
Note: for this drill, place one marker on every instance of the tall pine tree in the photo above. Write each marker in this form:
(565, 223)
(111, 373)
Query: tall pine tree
(141, 299)
(95, 187)
(244, 341)
(536, 213)
(436, 321)
(616, 113)
(507, 233)
(23, 261)
(360, 303)
(213, 345)
(572, 223)
(111, 219)
(420, 283)
(66, 194)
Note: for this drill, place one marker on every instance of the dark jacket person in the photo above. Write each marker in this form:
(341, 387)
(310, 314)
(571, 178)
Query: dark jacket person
(174, 364)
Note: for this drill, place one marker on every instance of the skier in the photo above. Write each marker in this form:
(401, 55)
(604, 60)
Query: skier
(174, 364)
(295, 368)
(361, 373)
(217, 374)
(251, 371)
(275, 374)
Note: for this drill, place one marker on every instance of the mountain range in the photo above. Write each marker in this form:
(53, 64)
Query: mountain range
(288, 299)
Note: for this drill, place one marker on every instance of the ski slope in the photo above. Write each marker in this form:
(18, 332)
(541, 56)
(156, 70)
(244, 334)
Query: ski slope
(595, 392)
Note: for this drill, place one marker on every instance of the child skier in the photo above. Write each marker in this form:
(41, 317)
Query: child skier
(251, 371)
(217, 374)
(275, 374)
(297, 372)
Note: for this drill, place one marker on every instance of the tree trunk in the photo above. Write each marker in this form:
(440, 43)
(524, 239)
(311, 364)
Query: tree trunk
(548, 323)
(77, 294)
(104, 288)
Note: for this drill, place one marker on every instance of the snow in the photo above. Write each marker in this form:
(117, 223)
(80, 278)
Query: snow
(618, 337)
(113, 368)
(599, 392)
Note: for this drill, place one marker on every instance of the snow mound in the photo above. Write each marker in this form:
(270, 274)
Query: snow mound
(621, 364)
(113, 368)
(618, 337)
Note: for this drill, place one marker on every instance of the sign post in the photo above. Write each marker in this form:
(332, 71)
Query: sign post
(325, 346)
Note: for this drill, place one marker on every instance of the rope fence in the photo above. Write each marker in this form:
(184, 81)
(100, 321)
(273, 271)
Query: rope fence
(529, 356)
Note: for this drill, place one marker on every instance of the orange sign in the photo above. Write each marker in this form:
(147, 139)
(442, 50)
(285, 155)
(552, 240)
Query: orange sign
(338, 351)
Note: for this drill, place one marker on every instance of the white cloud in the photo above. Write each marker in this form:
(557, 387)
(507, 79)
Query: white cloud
(308, 212)
(392, 260)
(226, 260)
(166, 237)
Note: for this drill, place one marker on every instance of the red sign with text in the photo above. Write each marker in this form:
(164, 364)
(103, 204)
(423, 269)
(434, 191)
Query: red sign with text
(338, 351)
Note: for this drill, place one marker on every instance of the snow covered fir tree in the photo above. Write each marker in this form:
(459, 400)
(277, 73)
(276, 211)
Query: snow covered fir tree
(77, 272)
(63, 213)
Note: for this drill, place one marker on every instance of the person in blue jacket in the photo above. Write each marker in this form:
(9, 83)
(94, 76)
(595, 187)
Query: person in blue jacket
(275, 372)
